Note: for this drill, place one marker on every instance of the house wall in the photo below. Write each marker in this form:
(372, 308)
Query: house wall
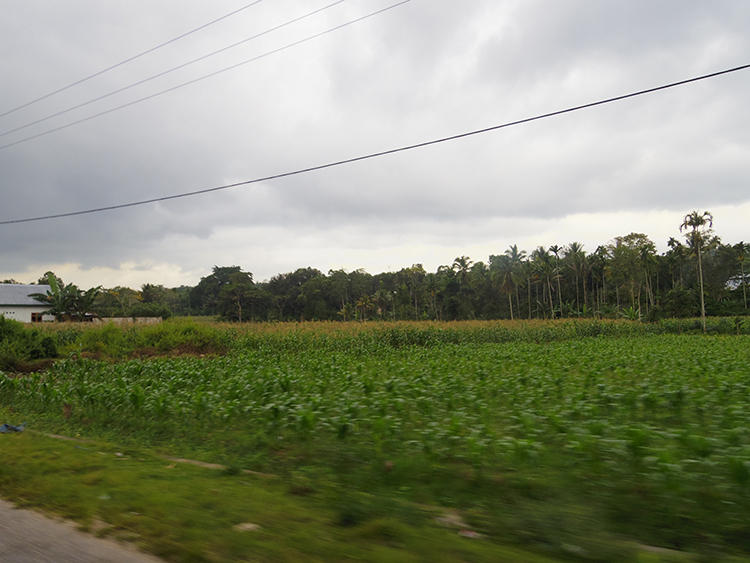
(23, 314)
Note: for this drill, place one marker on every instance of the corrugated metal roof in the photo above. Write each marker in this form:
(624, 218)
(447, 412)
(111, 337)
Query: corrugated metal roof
(18, 294)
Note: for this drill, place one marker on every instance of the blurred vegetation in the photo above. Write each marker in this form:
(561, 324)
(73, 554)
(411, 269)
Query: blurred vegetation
(572, 438)
(201, 335)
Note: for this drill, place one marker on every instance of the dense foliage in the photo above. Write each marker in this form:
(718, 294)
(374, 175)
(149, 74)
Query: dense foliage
(20, 346)
(66, 301)
(536, 431)
(626, 278)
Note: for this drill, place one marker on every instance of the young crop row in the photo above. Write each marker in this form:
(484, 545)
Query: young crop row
(649, 432)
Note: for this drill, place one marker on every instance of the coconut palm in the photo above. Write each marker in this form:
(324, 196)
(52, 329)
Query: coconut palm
(649, 264)
(545, 269)
(502, 275)
(462, 266)
(576, 257)
(556, 250)
(698, 227)
(517, 258)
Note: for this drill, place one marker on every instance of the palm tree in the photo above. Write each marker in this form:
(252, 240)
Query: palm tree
(555, 249)
(649, 263)
(516, 258)
(364, 305)
(577, 257)
(527, 271)
(502, 274)
(461, 266)
(699, 226)
(598, 261)
(544, 267)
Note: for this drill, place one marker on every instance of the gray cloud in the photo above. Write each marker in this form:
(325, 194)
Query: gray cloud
(424, 70)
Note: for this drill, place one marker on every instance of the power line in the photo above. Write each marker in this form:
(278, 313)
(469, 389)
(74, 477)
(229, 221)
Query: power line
(169, 70)
(129, 59)
(380, 153)
(205, 76)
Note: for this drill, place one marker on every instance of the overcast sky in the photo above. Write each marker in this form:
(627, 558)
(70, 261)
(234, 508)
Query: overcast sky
(426, 69)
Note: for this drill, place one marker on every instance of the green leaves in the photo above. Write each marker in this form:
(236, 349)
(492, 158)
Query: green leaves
(650, 429)
(66, 301)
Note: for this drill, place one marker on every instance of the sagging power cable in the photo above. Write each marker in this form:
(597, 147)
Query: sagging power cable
(380, 153)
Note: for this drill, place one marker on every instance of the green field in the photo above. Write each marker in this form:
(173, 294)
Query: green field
(581, 440)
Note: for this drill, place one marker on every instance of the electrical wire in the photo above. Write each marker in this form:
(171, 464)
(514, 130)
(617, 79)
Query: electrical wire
(129, 59)
(169, 70)
(205, 76)
(380, 153)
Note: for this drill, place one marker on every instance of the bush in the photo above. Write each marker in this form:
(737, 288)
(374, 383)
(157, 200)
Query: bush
(19, 345)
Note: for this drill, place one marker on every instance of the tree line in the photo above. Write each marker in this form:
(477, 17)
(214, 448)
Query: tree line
(698, 275)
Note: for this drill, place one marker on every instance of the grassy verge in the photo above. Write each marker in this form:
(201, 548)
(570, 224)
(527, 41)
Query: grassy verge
(186, 513)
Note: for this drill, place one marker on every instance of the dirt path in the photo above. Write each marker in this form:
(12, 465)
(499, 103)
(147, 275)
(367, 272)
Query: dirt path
(28, 537)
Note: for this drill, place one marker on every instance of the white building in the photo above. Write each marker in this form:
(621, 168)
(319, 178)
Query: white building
(16, 304)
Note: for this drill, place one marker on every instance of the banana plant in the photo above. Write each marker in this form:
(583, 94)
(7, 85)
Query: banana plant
(66, 302)
(59, 297)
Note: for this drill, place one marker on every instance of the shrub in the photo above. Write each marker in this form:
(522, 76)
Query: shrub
(19, 345)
